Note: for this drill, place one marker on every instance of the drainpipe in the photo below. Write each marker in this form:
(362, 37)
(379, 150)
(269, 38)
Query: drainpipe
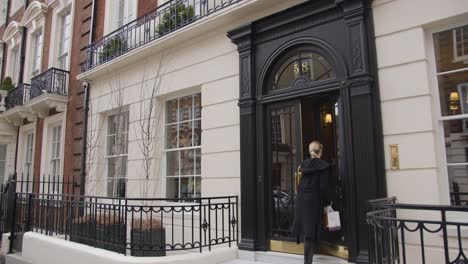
(23, 37)
(86, 86)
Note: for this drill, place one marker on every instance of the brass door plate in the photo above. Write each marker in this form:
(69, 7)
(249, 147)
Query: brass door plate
(394, 157)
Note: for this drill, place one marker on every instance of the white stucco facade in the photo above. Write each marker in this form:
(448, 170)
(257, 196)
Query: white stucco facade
(196, 59)
(409, 94)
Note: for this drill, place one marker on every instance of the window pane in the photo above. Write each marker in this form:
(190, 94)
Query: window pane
(171, 112)
(185, 135)
(187, 162)
(458, 180)
(453, 91)
(451, 49)
(185, 108)
(171, 136)
(198, 186)
(456, 141)
(197, 161)
(172, 168)
(111, 148)
(187, 187)
(197, 106)
(197, 133)
(172, 187)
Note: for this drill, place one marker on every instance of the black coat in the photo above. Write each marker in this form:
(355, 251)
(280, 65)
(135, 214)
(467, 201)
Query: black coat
(311, 198)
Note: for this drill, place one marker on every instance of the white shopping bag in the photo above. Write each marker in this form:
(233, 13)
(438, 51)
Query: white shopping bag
(332, 219)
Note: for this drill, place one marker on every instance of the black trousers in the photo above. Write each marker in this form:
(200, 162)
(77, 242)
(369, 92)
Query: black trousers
(309, 245)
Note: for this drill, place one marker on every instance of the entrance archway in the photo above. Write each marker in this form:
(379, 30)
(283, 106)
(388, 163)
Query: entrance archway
(268, 48)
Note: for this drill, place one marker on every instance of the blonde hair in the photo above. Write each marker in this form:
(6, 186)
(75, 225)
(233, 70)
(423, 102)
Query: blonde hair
(315, 149)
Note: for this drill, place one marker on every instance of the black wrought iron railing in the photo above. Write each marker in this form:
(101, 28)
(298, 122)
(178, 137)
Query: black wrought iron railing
(130, 226)
(413, 233)
(18, 96)
(159, 22)
(51, 81)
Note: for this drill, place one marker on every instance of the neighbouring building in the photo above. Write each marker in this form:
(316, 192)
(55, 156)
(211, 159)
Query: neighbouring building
(37, 50)
(196, 99)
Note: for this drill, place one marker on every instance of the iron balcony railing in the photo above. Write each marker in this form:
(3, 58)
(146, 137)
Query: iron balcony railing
(159, 22)
(413, 233)
(130, 226)
(18, 96)
(51, 81)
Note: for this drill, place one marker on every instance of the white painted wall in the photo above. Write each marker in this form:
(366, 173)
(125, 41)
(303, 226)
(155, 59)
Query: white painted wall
(410, 109)
(409, 96)
(207, 63)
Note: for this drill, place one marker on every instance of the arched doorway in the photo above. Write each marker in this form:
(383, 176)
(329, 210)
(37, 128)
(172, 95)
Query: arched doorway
(291, 125)
(275, 87)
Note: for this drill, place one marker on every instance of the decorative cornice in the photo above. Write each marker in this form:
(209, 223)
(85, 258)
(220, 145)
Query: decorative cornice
(242, 36)
(36, 11)
(14, 29)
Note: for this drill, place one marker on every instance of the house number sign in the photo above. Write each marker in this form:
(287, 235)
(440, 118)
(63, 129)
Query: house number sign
(394, 157)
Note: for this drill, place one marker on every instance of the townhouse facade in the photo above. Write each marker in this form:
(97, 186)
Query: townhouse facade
(38, 72)
(186, 99)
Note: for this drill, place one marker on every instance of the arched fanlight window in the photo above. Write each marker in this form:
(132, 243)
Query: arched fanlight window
(300, 68)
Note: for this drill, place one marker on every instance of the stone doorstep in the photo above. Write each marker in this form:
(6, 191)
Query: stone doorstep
(269, 257)
(14, 259)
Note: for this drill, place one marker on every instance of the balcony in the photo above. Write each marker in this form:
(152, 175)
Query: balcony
(14, 105)
(47, 91)
(162, 21)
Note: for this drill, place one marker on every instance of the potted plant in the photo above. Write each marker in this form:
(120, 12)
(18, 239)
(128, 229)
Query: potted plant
(7, 84)
(148, 238)
(176, 16)
(113, 47)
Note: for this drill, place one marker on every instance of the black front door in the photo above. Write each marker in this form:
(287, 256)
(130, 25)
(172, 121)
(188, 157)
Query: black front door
(285, 137)
(292, 126)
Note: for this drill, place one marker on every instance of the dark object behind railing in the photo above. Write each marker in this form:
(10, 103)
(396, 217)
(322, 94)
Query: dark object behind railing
(155, 225)
(457, 197)
(51, 81)
(392, 236)
(163, 20)
(18, 96)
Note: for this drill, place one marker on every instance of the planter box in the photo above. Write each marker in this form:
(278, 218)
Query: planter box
(83, 233)
(148, 242)
(108, 237)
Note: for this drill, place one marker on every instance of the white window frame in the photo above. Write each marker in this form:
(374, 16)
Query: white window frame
(464, 56)
(59, 9)
(21, 157)
(441, 152)
(64, 29)
(13, 64)
(38, 43)
(50, 123)
(179, 96)
(108, 156)
(111, 15)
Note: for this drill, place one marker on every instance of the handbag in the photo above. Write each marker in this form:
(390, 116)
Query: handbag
(331, 219)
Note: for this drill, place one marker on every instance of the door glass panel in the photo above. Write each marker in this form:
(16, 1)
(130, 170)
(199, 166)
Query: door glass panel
(284, 154)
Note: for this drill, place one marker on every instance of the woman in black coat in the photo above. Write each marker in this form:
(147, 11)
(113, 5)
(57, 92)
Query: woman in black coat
(311, 199)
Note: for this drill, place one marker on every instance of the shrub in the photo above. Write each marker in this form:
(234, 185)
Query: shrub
(6, 84)
(112, 48)
(175, 17)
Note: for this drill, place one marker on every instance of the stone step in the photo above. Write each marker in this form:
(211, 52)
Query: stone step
(280, 258)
